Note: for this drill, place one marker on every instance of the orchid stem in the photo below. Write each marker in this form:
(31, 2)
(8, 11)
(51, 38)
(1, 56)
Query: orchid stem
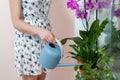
(96, 19)
(86, 18)
(96, 11)
(113, 7)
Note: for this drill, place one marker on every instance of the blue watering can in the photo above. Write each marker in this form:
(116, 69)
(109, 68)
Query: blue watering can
(51, 54)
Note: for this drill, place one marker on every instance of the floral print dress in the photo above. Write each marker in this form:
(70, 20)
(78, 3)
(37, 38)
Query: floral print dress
(28, 47)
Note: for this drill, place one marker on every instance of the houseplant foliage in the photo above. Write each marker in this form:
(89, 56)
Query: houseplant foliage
(85, 46)
(113, 33)
(113, 39)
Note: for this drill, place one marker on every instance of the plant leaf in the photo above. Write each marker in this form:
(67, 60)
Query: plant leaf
(83, 34)
(77, 40)
(74, 47)
(72, 53)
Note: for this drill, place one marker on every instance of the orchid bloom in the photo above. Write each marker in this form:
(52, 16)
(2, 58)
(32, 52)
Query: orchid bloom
(89, 4)
(72, 4)
(117, 13)
(105, 4)
(81, 14)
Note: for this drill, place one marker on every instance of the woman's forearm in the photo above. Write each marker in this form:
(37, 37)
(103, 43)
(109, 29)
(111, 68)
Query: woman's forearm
(20, 25)
(44, 34)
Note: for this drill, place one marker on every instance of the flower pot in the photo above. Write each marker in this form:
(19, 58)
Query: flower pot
(80, 67)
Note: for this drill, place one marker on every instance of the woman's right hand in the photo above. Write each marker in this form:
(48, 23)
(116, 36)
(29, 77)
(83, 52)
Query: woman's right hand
(46, 35)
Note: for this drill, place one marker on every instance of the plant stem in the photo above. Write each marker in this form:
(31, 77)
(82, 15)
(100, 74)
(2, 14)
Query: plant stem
(96, 11)
(86, 18)
(113, 7)
(96, 19)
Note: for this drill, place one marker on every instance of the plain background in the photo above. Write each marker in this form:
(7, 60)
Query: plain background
(62, 21)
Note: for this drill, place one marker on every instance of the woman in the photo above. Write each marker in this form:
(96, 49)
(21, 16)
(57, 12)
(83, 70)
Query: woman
(33, 30)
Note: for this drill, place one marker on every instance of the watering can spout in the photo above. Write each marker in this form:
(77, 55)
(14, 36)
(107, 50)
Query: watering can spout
(68, 64)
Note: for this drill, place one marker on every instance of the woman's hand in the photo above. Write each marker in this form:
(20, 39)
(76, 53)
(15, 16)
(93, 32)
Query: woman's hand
(46, 35)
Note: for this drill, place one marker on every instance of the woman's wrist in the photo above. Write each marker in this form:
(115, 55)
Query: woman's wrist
(37, 31)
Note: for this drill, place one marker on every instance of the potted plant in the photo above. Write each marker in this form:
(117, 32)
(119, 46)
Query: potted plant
(85, 46)
(113, 40)
(113, 33)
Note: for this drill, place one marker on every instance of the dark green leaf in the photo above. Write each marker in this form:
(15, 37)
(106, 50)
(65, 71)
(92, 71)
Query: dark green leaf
(94, 26)
(83, 34)
(77, 40)
(75, 48)
(103, 24)
(63, 41)
(76, 68)
(72, 53)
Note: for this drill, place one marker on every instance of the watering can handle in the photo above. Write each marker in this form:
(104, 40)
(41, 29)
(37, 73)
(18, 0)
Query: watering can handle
(60, 45)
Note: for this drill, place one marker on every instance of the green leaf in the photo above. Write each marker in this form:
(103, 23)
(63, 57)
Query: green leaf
(83, 34)
(63, 41)
(75, 68)
(94, 26)
(102, 50)
(75, 57)
(74, 47)
(72, 53)
(112, 58)
(77, 40)
(103, 24)
(96, 29)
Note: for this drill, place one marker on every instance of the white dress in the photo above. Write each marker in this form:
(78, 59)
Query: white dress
(28, 47)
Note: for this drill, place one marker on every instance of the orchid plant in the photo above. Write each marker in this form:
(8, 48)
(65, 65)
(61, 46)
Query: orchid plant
(84, 11)
(85, 45)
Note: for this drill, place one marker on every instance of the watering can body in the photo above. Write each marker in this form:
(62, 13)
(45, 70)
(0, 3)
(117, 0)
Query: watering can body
(51, 54)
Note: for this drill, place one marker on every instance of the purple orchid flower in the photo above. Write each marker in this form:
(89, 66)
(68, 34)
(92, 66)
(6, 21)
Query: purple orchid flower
(81, 14)
(89, 4)
(105, 4)
(97, 5)
(102, 4)
(72, 4)
(117, 13)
